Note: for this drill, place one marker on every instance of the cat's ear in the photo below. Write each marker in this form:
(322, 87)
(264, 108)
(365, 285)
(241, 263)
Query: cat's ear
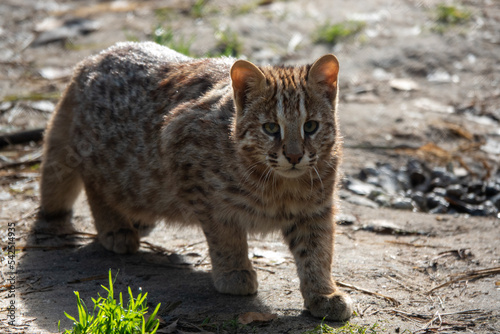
(324, 72)
(245, 77)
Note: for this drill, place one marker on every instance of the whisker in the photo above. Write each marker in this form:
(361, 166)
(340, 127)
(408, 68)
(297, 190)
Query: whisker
(249, 171)
(319, 177)
(263, 181)
(266, 179)
(312, 182)
(274, 183)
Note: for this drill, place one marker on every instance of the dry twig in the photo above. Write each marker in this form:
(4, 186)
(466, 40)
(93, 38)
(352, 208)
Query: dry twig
(430, 319)
(156, 248)
(368, 292)
(475, 274)
(395, 242)
(430, 316)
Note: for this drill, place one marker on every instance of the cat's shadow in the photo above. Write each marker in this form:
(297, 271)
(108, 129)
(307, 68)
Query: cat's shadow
(50, 272)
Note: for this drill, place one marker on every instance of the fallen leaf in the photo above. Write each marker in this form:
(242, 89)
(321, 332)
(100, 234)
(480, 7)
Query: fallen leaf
(458, 130)
(250, 317)
(431, 151)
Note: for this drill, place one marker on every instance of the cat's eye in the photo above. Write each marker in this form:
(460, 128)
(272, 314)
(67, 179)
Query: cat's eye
(271, 128)
(310, 127)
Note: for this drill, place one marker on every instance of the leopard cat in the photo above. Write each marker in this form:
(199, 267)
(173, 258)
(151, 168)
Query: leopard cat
(153, 135)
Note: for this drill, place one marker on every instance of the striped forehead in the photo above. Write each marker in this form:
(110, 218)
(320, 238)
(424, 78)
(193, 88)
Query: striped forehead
(288, 84)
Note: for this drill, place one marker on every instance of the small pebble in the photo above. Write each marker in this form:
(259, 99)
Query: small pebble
(492, 189)
(402, 203)
(434, 201)
(496, 201)
(439, 209)
(420, 200)
(455, 190)
(345, 219)
(439, 192)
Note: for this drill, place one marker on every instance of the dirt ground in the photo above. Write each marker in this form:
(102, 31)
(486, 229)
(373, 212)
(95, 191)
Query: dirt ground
(406, 81)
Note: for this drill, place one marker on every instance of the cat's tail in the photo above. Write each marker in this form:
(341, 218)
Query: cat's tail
(61, 182)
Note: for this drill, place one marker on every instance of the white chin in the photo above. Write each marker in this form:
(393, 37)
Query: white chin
(290, 173)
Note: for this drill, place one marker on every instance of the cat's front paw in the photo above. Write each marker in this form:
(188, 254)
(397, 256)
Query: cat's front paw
(122, 241)
(236, 282)
(336, 306)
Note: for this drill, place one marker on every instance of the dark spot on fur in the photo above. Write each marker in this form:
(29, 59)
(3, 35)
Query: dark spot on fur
(294, 242)
(290, 230)
(248, 148)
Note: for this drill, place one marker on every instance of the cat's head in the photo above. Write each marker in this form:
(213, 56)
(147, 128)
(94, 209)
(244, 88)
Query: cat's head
(285, 116)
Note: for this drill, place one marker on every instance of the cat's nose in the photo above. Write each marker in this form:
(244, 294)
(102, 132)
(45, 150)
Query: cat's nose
(294, 158)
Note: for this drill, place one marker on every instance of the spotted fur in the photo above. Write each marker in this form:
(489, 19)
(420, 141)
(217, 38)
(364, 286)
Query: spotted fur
(153, 135)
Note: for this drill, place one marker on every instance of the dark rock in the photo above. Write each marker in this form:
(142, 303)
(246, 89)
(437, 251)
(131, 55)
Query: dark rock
(420, 200)
(387, 179)
(442, 178)
(441, 208)
(476, 187)
(485, 209)
(373, 180)
(382, 199)
(481, 210)
(440, 192)
(360, 200)
(345, 219)
(434, 201)
(492, 189)
(455, 190)
(496, 201)
(359, 187)
(472, 198)
(438, 172)
(402, 203)
(416, 173)
(403, 179)
(490, 208)
(367, 172)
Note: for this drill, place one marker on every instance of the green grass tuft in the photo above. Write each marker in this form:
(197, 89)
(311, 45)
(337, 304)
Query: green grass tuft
(451, 15)
(112, 316)
(228, 44)
(348, 328)
(198, 9)
(334, 33)
(165, 36)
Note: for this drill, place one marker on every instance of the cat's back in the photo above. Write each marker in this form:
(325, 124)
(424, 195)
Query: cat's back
(143, 57)
(124, 72)
(130, 78)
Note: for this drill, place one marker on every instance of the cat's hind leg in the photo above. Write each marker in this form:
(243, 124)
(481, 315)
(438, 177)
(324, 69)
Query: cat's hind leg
(114, 231)
(60, 181)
